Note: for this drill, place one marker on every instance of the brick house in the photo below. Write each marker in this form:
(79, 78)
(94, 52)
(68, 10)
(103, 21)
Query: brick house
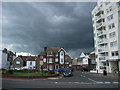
(6, 58)
(52, 58)
(85, 61)
(24, 61)
(17, 63)
(76, 64)
(92, 57)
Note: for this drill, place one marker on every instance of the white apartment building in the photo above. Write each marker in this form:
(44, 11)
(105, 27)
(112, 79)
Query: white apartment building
(106, 28)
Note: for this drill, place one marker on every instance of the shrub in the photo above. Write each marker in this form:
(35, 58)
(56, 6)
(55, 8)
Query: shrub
(22, 71)
(51, 72)
(45, 71)
(7, 72)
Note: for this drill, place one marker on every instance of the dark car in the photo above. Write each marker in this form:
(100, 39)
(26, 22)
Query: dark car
(58, 70)
(67, 72)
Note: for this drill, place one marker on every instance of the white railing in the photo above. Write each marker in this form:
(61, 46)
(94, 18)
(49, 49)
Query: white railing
(98, 25)
(102, 58)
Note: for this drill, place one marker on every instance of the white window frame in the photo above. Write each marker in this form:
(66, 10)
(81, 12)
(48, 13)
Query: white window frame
(56, 60)
(115, 53)
(18, 62)
(50, 67)
(112, 34)
(113, 44)
(44, 60)
(41, 62)
(50, 60)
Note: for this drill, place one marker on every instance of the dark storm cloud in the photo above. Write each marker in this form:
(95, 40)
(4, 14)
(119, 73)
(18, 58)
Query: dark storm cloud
(27, 27)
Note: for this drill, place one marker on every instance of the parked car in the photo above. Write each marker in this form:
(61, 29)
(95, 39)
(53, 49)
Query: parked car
(45, 69)
(25, 68)
(17, 68)
(67, 72)
(57, 70)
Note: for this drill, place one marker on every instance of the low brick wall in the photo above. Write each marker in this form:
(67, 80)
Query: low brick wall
(30, 77)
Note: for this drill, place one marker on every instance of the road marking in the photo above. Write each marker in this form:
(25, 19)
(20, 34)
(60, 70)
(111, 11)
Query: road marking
(99, 82)
(85, 82)
(115, 82)
(77, 82)
(91, 79)
(107, 82)
(56, 82)
(83, 76)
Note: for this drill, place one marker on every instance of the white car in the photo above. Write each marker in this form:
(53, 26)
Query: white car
(18, 68)
(25, 67)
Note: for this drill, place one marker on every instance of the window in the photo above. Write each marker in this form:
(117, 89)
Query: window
(62, 60)
(41, 57)
(56, 54)
(41, 62)
(30, 62)
(17, 62)
(113, 44)
(44, 60)
(50, 60)
(118, 3)
(114, 53)
(110, 17)
(119, 13)
(62, 53)
(109, 9)
(56, 59)
(50, 67)
(111, 26)
(49, 53)
(113, 34)
(106, 3)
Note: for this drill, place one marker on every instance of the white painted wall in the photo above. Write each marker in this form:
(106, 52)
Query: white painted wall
(5, 63)
(62, 57)
(33, 64)
(119, 65)
(85, 61)
(0, 59)
(113, 66)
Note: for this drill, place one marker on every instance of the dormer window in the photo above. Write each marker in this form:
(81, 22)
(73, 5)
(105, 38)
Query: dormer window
(62, 53)
(56, 54)
(49, 53)
(41, 57)
(17, 62)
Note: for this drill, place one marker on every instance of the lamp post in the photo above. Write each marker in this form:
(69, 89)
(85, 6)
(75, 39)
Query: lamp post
(28, 72)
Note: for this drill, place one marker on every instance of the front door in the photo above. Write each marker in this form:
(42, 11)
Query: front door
(56, 66)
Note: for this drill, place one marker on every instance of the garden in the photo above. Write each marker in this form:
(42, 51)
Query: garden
(28, 73)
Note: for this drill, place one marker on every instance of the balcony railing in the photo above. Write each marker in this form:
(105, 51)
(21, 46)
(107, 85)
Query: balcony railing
(98, 25)
(103, 40)
(98, 17)
(99, 33)
(102, 58)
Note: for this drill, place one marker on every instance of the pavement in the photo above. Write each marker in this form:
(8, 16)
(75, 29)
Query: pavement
(78, 80)
(112, 75)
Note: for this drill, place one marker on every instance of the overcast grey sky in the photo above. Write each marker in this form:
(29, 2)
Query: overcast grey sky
(28, 26)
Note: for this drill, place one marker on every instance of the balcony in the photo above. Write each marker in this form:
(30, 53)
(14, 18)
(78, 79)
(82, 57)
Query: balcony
(102, 58)
(101, 41)
(98, 25)
(99, 18)
(99, 12)
(100, 33)
(100, 50)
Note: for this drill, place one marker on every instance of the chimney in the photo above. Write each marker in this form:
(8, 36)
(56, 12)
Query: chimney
(5, 50)
(45, 47)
